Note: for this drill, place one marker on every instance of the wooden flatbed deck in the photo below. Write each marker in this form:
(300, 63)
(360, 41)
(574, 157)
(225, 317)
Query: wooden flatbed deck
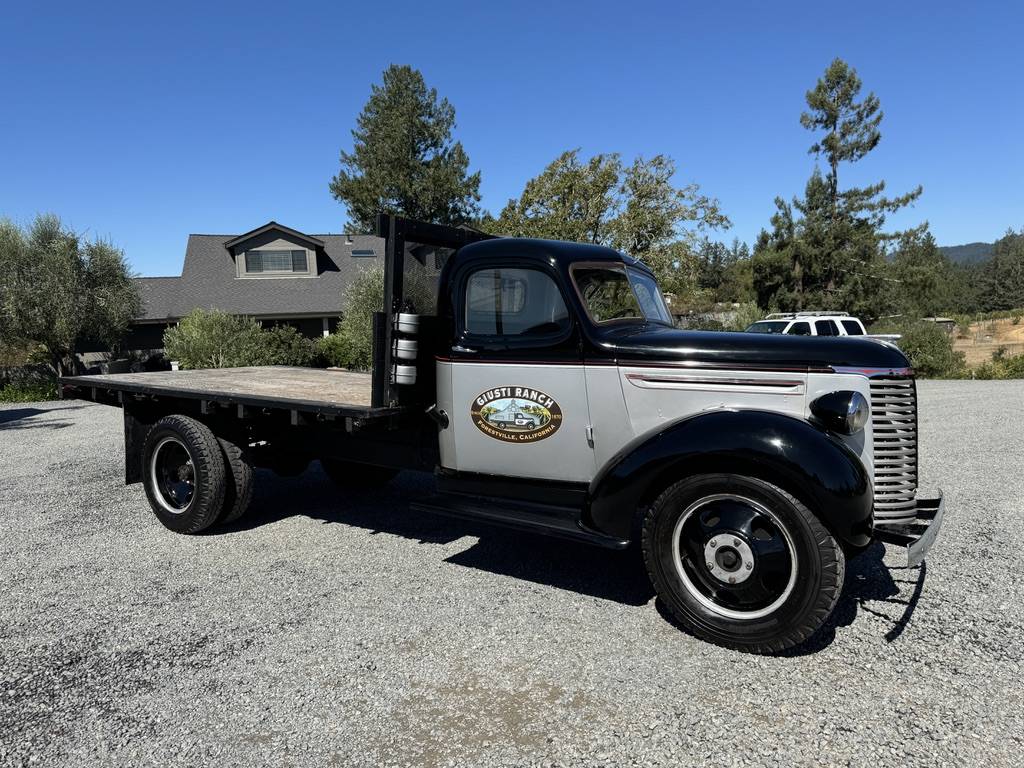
(305, 389)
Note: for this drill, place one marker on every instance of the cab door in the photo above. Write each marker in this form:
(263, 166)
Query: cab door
(514, 382)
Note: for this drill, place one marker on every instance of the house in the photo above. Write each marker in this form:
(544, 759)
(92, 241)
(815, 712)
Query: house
(273, 273)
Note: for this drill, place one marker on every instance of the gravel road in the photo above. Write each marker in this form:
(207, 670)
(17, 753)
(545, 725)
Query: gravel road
(351, 631)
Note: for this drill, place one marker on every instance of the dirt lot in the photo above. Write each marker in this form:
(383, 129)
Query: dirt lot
(988, 336)
(346, 630)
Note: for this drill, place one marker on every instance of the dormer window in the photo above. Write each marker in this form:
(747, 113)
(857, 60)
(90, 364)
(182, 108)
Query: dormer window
(275, 251)
(265, 261)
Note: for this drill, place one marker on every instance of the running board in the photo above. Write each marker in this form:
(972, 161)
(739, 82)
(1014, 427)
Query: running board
(561, 522)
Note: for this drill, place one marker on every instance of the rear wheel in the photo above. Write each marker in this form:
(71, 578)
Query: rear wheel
(184, 474)
(742, 563)
(240, 480)
(351, 474)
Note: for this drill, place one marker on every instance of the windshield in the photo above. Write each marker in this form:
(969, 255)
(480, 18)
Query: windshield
(612, 292)
(776, 326)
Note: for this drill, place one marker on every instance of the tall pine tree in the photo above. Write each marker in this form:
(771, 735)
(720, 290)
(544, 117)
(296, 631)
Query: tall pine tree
(404, 160)
(832, 255)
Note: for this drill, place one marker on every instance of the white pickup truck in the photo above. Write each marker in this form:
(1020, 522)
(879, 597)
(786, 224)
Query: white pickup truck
(817, 324)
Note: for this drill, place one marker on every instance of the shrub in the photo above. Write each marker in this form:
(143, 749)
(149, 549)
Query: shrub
(214, 339)
(704, 323)
(28, 392)
(744, 316)
(284, 345)
(963, 326)
(930, 350)
(335, 350)
(364, 297)
(1002, 366)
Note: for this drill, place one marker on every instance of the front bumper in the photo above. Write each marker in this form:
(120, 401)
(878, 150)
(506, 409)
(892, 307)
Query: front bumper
(918, 536)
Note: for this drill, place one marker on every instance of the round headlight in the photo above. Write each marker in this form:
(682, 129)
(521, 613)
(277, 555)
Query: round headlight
(846, 412)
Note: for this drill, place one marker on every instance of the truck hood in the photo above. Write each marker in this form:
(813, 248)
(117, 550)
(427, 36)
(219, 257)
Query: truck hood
(657, 343)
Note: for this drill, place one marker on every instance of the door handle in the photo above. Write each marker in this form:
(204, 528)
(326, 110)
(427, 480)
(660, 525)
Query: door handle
(464, 350)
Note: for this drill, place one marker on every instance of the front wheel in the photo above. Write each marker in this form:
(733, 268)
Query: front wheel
(740, 562)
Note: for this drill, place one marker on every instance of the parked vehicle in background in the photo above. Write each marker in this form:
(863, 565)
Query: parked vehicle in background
(816, 324)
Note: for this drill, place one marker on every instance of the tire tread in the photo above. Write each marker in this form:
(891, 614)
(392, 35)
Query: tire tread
(833, 572)
(206, 455)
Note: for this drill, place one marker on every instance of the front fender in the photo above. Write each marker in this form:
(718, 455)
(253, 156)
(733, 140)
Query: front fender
(811, 464)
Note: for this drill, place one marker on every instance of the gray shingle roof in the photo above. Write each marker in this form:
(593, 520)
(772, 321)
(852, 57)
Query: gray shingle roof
(208, 281)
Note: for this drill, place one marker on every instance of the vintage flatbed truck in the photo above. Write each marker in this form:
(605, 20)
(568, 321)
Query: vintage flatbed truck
(545, 386)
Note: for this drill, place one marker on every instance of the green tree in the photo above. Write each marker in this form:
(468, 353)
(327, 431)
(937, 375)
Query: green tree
(826, 250)
(404, 160)
(1000, 280)
(725, 274)
(926, 278)
(634, 208)
(56, 290)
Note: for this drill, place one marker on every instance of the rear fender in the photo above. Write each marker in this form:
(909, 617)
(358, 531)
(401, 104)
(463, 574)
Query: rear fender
(808, 462)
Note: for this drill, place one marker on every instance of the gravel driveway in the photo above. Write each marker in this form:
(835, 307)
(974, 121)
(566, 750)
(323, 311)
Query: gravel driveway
(351, 631)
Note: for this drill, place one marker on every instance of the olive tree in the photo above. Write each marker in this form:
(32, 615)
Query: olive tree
(57, 289)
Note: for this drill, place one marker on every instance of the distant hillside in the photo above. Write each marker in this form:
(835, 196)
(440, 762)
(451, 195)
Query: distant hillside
(971, 253)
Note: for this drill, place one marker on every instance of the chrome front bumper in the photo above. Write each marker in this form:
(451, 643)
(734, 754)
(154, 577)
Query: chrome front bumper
(917, 536)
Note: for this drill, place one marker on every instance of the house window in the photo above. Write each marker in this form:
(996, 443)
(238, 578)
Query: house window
(276, 262)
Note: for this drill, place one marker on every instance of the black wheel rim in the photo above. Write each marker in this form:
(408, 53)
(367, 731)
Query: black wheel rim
(173, 475)
(734, 556)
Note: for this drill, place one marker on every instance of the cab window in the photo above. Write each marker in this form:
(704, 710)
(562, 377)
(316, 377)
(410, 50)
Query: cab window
(511, 301)
(800, 329)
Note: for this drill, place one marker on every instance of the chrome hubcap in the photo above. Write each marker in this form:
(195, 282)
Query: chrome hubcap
(734, 556)
(172, 475)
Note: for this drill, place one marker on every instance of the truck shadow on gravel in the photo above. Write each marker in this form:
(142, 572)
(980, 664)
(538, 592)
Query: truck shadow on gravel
(887, 593)
(587, 570)
(871, 586)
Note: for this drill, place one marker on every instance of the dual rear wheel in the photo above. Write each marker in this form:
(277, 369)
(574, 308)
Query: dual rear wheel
(192, 478)
(195, 479)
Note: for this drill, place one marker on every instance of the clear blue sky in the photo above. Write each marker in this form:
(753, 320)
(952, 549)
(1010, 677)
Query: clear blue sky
(143, 122)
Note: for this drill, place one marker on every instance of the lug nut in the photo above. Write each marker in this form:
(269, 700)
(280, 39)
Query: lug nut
(714, 543)
(732, 579)
(749, 566)
(735, 542)
(711, 566)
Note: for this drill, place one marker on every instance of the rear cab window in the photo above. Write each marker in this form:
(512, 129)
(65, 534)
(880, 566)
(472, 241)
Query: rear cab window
(513, 301)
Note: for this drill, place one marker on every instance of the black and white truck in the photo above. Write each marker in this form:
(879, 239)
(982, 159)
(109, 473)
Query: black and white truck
(544, 385)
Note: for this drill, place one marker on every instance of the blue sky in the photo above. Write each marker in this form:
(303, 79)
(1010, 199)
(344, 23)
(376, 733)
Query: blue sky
(144, 122)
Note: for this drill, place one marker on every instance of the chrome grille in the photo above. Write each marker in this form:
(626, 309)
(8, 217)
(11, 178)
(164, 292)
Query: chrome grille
(894, 424)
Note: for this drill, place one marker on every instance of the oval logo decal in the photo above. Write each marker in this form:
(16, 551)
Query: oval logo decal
(516, 414)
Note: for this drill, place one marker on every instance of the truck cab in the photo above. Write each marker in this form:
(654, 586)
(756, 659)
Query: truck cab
(545, 386)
